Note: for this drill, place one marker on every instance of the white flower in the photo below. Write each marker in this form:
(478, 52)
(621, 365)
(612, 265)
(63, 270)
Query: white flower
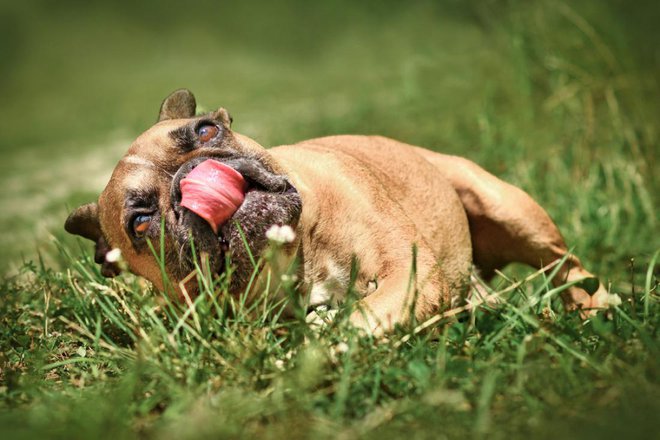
(342, 347)
(280, 234)
(286, 278)
(113, 256)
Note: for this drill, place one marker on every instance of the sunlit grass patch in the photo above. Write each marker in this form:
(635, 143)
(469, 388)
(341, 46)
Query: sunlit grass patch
(235, 368)
(559, 98)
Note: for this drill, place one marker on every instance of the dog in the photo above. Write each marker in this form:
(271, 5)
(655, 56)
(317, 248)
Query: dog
(359, 203)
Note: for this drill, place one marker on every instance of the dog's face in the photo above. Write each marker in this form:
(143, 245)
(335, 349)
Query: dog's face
(142, 202)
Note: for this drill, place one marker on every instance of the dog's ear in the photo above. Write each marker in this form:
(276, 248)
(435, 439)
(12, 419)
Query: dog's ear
(223, 116)
(179, 105)
(84, 221)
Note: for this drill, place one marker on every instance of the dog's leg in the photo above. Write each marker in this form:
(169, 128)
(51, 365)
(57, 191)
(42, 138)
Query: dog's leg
(405, 295)
(388, 306)
(507, 226)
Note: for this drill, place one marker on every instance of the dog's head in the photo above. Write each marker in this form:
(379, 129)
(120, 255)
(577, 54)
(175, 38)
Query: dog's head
(141, 205)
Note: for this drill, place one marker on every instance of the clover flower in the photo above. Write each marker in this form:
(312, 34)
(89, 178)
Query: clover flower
(113, 256)
(280, 234)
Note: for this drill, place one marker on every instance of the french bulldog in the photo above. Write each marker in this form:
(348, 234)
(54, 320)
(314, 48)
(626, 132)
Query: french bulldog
(362, 202)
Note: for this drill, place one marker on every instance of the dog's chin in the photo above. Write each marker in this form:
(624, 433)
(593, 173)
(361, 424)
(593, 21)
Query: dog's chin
(245, 233)
(270, 200)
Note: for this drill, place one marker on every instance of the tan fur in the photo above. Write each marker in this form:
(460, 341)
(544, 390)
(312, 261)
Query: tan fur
(360, 201)
(370, 199)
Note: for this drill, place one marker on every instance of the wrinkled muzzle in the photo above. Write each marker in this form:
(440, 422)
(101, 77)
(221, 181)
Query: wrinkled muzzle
(223, 225)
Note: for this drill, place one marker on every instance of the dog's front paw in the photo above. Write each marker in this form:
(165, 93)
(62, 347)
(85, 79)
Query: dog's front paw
(321, 316)
(601, 301)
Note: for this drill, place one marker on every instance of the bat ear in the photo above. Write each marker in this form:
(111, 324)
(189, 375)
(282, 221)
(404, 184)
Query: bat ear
(179, 105)
(84, 221)
(223, 116)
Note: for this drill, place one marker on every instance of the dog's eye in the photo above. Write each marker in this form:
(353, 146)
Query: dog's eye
(141, 224)
(207, 132)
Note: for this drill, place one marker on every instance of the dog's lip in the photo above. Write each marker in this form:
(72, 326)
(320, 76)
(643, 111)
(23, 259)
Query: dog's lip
(256, 175)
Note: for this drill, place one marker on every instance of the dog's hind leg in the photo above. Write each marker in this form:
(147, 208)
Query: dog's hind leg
(507, 225)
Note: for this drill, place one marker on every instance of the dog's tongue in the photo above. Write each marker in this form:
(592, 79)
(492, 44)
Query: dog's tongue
(213, 191)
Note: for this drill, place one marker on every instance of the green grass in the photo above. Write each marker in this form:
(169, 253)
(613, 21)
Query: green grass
(558, 98)
(93, 358)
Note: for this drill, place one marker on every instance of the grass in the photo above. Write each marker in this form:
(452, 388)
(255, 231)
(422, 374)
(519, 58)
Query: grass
(558, 98)
(93, 358)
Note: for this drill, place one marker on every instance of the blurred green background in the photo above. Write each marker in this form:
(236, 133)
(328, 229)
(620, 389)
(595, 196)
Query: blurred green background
(558, 97)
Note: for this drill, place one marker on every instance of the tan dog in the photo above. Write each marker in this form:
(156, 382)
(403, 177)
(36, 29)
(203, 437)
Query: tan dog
(346, 197)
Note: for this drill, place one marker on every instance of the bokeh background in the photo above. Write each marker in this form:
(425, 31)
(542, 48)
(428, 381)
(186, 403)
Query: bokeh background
(558, 97)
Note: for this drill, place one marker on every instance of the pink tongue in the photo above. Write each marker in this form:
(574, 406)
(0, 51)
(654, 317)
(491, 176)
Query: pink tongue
(213, 191)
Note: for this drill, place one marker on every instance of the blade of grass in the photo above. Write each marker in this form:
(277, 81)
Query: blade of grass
(647, 285)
